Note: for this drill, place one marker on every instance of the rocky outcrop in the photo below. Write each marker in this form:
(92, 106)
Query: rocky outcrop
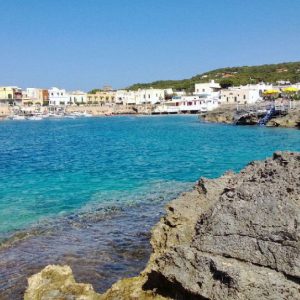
(246, 244)
(228, 115)
(236, 237)
(291, 120)
(223, 114)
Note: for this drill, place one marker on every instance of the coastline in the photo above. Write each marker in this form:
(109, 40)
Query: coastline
(218, 241)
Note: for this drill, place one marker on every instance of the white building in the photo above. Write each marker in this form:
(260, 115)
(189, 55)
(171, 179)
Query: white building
(244, 94)
(237, 95)
(150, 96)
(296, 85)
(126, 97)
(141, 96)
(58, 97)
(188, 104)
(207, 88)
(77, 97)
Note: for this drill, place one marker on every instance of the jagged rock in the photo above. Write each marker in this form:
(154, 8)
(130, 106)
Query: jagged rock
(292, 119)
(227, 114)
(236, 237)
(245, 245)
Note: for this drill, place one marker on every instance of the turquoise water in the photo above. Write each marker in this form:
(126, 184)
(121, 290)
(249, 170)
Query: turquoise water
(86, 192)
(52, 168)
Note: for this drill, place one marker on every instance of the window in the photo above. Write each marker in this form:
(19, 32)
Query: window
(244, 96)
(203, 90)
(235, 99)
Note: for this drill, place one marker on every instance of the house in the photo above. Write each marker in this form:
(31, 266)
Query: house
(187, 104)
(35, 96)
(101, 97)
(10, 95)
(236, 95)
(77, 97)
(58, 97)
(150, 96)
(126, 97)
(207, 88)
(283, 82)
(244, 94)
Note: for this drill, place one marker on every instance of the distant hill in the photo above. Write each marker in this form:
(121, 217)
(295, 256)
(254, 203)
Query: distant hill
(237, 75)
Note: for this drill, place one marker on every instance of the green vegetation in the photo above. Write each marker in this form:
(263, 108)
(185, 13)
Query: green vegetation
(94, 91)
(237, 75)
(226, 83)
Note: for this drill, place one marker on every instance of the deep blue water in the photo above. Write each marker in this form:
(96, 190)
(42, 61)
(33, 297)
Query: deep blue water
(54, 171)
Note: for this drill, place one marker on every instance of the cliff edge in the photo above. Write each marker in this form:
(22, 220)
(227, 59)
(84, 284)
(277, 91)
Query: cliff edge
(235, 237)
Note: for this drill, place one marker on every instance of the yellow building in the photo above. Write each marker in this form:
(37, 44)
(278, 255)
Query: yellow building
(10, 95)
(101, 97)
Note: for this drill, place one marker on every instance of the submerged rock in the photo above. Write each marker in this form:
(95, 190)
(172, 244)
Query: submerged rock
(236, 237)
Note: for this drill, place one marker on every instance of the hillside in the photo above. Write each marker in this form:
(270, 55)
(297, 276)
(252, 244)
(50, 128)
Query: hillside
(238, 75)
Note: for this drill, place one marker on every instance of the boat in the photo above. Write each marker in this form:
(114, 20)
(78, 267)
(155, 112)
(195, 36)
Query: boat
(87, 115)
(34, 118)
(70, 116)
(17, 117)
(55, 116)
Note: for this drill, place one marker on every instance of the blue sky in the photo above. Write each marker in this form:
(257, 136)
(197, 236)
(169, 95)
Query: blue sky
(83, 44)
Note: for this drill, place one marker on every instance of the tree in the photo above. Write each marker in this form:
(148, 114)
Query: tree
(226, 83)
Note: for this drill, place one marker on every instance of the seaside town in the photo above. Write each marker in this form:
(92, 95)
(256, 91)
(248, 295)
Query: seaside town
(38, 104)
(150, 150)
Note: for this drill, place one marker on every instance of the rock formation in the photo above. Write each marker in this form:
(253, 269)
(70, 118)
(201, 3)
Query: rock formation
(228, 115)
(236, 237)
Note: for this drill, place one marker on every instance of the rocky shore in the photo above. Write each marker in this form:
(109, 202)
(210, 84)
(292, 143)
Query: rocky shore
(228, 115)
(235, 237)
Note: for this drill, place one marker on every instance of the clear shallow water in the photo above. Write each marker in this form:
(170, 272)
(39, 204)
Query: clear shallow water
(83, 190)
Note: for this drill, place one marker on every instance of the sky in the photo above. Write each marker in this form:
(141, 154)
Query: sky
(86, 44)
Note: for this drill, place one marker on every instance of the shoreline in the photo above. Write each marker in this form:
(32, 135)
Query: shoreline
(197, 254)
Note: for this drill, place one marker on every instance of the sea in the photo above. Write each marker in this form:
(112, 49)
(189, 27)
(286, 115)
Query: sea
(86, 192)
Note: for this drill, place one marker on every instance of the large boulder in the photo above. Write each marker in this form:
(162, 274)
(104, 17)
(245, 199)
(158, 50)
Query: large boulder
(246, 240)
